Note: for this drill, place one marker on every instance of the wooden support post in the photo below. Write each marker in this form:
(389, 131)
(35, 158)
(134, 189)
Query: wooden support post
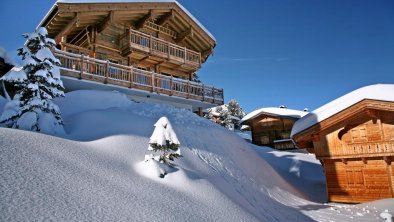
(213, 95)
(203, 92)
(150, 44)
(153, 82)
(188, 89)
(106, 74)
(387, 159)
(131, 73)
(171, 85)
(185, 56)
(200, 111)
(168, 50)
(81, 71)
(222, 93)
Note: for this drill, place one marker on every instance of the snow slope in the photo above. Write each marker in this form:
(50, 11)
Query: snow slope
(94, 173)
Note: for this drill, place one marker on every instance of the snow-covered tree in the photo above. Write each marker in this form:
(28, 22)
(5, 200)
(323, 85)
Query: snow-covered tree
(165, 141)
(38, 82)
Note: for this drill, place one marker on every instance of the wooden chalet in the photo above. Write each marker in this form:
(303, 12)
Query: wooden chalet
(272, 126)
(353, 137)
(151, 48)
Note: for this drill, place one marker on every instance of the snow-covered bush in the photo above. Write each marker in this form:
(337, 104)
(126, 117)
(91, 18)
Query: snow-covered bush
(38, 82)
(164, 140)
(227, 115)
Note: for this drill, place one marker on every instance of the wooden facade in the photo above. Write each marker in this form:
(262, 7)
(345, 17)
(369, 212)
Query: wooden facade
(150, 46)
(356, 148)
(272, 129)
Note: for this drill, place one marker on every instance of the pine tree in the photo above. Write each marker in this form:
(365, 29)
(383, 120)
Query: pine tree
(164, 140)
(38, 83)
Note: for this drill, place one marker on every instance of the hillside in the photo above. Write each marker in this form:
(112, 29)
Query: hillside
(96, 171)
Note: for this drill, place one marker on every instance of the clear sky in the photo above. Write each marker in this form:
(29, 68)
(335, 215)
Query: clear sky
(298, 53)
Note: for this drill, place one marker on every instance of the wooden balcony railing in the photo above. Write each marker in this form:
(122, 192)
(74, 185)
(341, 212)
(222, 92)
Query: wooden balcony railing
(147, 43)
(84, 67)
(368, 149)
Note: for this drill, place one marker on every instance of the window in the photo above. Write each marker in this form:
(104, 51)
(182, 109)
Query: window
(355, 177)
(359, 134)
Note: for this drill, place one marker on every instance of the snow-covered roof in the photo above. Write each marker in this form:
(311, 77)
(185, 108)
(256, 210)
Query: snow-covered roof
(7, 58)
(15, 74)
(274, 111)
(382, 92)
(130, 1)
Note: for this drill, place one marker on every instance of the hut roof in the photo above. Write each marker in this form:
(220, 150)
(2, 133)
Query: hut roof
(381, 92)
(274, 111)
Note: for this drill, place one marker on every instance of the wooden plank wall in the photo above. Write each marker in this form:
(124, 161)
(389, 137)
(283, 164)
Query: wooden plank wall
(266, 129)
(358, 180)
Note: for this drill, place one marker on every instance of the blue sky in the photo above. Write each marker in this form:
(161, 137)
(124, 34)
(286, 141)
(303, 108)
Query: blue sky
(301, 53)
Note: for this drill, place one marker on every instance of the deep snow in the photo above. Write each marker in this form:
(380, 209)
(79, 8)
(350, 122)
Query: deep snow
(95, 173)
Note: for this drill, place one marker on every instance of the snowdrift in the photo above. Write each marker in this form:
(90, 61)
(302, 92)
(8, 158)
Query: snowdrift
(94, 172)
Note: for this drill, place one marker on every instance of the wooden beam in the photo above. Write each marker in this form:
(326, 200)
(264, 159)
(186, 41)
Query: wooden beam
(140, 24)
(206, 53)
(315, 137)
(168, 16)
(184, 34)
(387, 159)
(161, 62)
(104, 24)
(145, 58)
(67, 28)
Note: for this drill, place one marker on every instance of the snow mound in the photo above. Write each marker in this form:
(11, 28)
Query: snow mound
(97, 173)
(86, 100)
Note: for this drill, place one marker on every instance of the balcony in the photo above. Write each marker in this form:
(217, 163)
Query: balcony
(135, 40)
(83, 67)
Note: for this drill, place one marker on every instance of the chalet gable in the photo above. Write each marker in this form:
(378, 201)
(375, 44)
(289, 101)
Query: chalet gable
(273, 112)
(165, 18)
(374, 97)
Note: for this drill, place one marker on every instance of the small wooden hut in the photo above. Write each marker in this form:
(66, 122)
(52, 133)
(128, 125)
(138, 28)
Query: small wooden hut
(353, 137)
(272, 126)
